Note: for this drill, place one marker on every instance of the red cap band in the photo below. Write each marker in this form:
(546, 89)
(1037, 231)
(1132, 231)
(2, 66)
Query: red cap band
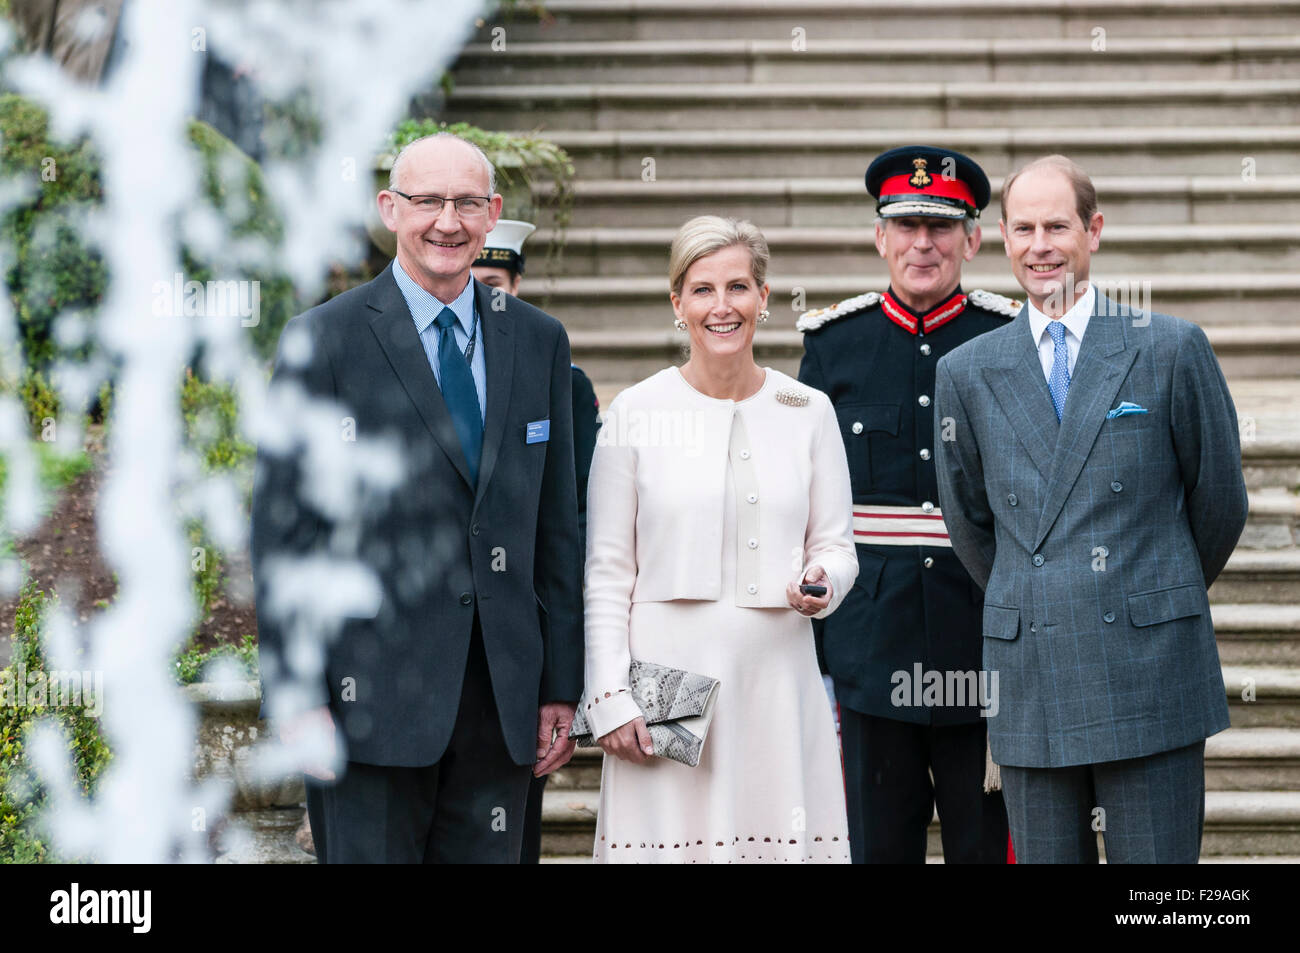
(939, 186)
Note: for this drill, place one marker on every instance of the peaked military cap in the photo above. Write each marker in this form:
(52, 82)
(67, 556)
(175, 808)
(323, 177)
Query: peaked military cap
(927, 180)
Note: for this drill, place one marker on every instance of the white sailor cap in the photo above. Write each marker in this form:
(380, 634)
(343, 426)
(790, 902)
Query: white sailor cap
(504, 246)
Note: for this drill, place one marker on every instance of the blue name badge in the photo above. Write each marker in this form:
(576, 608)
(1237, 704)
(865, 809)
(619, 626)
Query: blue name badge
(539, 431)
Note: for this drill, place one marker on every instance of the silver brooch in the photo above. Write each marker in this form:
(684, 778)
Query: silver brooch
(792, 397)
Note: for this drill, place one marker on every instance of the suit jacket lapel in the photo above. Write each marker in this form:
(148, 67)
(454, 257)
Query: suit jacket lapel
(394, 327)
(1021, 390)
(499, 341)
(1099, 372)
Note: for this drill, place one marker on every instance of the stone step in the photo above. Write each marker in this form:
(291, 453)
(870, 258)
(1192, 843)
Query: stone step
(1263, 634)
(1253, 759)
(1261, 696)
(1259, 576)
(872, 59)
(802, 108)
(683, 155)
(627, 303)
(629, 349)
(929, 20)
(1125, 250)
(1274, 521)
(802, 203)
(1270, 462)
(1265, 823)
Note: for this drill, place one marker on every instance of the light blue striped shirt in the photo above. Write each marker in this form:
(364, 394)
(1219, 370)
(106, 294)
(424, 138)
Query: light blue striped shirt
(425, 308)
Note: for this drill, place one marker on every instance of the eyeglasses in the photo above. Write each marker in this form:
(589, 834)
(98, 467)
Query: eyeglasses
(467, 206)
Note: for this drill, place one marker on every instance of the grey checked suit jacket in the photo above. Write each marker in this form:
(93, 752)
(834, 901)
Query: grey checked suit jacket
(1094, 538)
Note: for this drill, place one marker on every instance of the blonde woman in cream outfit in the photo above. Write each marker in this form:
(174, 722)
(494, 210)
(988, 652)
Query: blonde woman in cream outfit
(715, 490)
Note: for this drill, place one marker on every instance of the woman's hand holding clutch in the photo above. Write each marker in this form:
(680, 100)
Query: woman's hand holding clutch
(631, 742)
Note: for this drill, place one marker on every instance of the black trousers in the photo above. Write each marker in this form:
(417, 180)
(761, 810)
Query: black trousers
(896, 772)
(467, 808)
(532, 850)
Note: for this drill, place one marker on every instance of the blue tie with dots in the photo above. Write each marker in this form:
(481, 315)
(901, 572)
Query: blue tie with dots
(1059, 381)
(459, 392)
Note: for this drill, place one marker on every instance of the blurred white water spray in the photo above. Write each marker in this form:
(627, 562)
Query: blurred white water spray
(358, 62)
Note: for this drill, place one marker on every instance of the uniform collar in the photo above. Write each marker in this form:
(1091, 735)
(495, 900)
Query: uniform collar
(916, 323)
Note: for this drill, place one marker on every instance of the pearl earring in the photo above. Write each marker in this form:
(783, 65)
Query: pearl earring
(763, 315)
(679, 324)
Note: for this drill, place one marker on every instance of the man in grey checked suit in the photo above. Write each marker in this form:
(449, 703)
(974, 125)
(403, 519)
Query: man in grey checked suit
(1090, 478)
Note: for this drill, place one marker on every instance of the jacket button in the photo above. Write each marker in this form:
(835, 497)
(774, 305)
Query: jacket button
(466, 598)
(925, 349)
(752, 588)
(925, 454)
(927, 507)
(1033, 627)
(474, 530)
(857, 426)
(744, 454)
(752, 498)
(1109, 617)
(1117, 486)
(1038, 559)
(1012, 499)
(923, 400)
(753, 543)
(927, 562)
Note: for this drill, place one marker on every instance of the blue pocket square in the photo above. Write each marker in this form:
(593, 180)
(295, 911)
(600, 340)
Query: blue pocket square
(1125, 408)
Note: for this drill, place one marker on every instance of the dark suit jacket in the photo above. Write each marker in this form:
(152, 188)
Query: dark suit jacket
(440, 549)
(1095, 539)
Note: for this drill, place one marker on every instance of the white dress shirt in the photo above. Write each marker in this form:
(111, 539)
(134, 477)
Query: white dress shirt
(1075, 321)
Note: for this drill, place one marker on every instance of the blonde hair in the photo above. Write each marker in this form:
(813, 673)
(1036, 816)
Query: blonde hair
(706, 234)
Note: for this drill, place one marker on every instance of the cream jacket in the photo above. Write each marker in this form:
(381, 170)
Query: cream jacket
(655, 511)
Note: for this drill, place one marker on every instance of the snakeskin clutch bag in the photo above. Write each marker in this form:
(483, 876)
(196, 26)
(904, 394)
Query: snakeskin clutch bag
(677, 705)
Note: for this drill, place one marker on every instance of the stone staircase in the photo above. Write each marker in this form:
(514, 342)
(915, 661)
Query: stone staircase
(1184, 111)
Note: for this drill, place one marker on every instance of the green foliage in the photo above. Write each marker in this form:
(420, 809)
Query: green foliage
(21, 795)
(190, 664)
(211, 414)
(57, 469)
(209, 574)
(55, 271)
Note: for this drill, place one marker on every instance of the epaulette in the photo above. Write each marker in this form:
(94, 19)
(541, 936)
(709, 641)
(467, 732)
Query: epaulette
(812, 320)
(995, 303)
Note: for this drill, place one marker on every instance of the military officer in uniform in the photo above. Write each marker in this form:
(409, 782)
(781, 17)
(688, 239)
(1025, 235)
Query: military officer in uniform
(904, 649)
(501, 266)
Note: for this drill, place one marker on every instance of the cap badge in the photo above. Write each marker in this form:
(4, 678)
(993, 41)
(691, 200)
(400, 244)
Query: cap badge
(920, 178)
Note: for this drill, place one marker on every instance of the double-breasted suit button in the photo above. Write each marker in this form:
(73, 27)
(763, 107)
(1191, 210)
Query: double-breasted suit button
(466, 598)
(1012, 499)
(927, 562)
(925, 349)
(744, 454)
(925, 454)
(752, 588)
(1033, 627)
(473, 530)
(927, 507)
(752, 498)
(1109, 616)
(1038, 559)
(1117, 486)
(923, 400)
(857, 426)
(753, 543)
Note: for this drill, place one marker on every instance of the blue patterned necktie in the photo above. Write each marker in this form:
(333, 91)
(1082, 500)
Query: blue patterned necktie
(1059, 381)
(459, 392)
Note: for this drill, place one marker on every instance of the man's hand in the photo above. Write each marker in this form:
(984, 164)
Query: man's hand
(554, 747)
(809, 605)
(310, 731)
(631, 742)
